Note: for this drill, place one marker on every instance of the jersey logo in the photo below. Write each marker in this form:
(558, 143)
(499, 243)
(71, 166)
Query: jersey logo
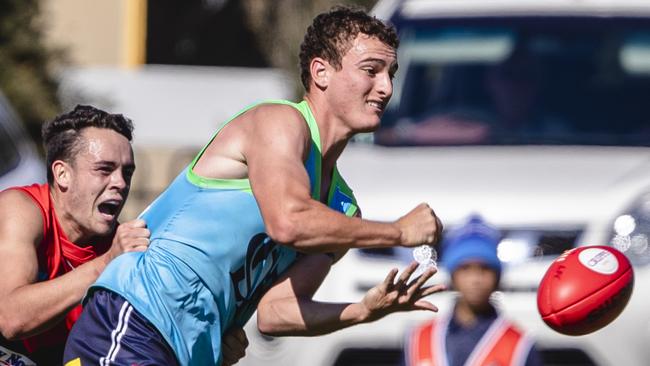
(255, 276)
(342, 202)
(9, 357)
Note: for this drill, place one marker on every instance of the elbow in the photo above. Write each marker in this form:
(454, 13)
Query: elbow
(289, 233)
(10, 335)
(265, 328)
(266, 325)
(11, 330)
(283, 231)
(269, 318)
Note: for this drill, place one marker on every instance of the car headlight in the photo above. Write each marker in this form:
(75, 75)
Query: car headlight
(631, 231)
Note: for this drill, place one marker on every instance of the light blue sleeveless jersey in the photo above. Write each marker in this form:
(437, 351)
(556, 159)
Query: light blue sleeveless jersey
(210, 259)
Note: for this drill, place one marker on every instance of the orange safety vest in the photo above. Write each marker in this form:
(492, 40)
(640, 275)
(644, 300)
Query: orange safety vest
(501, 345)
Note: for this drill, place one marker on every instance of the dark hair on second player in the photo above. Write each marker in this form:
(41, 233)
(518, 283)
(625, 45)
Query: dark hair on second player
(330, 34)
(61, 135)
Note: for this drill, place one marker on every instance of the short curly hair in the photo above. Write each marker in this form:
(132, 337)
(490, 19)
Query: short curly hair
(330, 35)
(61, 136)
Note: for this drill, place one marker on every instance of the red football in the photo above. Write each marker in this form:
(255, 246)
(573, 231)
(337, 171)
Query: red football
(584, 289)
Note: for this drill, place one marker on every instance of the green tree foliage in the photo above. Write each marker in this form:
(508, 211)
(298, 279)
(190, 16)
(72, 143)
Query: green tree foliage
(25, 72)
(281, 24)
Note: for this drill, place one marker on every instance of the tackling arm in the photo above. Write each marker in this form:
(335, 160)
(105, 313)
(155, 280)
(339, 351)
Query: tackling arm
(30, 307)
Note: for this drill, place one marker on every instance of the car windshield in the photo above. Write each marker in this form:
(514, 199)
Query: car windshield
(498, 81)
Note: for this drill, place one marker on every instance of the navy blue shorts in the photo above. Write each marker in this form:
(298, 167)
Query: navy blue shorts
(111, 332)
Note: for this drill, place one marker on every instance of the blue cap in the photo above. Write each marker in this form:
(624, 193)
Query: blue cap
(475, 241)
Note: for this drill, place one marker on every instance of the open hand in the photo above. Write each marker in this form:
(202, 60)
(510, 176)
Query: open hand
(392, 296)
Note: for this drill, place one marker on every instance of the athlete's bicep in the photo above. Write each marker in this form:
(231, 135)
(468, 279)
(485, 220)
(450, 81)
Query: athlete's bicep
(21, 227)
(275, 154)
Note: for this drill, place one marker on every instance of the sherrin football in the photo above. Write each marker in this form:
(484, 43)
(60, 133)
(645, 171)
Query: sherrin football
(585, 289)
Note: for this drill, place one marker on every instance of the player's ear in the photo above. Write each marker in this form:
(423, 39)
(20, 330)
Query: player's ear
(61, 173)
(320, 72)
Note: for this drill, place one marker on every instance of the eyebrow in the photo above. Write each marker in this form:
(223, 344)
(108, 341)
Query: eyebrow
(393, 67)
(372, 59)
(112, 164)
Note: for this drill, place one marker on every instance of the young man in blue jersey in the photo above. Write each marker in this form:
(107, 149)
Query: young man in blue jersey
(258, 218)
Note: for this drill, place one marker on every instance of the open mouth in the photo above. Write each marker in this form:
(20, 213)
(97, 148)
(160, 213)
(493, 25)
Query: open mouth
(109, 208)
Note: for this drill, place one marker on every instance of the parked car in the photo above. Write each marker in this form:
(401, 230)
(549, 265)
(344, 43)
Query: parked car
(534, 114)
(20, 163)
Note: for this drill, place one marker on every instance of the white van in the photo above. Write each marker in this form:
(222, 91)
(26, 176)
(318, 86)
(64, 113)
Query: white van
(20, 163)
(534, 114)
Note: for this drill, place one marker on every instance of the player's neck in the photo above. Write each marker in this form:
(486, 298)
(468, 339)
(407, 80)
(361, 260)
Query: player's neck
(334, 135)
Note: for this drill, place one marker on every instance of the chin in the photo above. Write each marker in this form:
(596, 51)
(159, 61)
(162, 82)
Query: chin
(369, 125)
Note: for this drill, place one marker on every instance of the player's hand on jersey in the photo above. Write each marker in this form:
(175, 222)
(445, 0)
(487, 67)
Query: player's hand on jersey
(420, 226)
(233, 346)
(130, 236)
(400, 295)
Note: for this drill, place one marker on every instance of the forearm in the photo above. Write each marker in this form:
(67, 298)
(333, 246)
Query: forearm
(293, 317)
(319, 229)
(287, 309)
(33, 308)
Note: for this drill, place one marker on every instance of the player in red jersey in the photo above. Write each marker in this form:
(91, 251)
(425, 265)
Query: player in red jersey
(56, 238)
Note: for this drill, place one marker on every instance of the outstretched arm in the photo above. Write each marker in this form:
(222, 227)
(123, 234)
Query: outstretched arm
(274, 153)
(287, 309)
(30, 307)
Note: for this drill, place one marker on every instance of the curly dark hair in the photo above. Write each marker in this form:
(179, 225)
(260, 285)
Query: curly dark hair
(330, 34)
(61, 136)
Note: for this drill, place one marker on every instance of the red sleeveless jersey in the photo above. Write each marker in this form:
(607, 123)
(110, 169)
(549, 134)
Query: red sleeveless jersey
(56, 256)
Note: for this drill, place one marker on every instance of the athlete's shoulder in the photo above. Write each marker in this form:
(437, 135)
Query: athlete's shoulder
(23, 199)
(20, 215)
(279, 120)
(278, 111)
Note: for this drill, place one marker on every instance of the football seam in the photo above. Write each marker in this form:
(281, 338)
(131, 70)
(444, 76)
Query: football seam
(555, 311)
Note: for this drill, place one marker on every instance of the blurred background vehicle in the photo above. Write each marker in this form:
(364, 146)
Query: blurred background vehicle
(20, 162)
(534, 114)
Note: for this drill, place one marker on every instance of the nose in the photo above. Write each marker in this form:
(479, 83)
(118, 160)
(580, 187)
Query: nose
(385, 85)
(118, 180)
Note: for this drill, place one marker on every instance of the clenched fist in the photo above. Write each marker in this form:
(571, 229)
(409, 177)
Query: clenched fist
(131, 236)
(420, 226)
